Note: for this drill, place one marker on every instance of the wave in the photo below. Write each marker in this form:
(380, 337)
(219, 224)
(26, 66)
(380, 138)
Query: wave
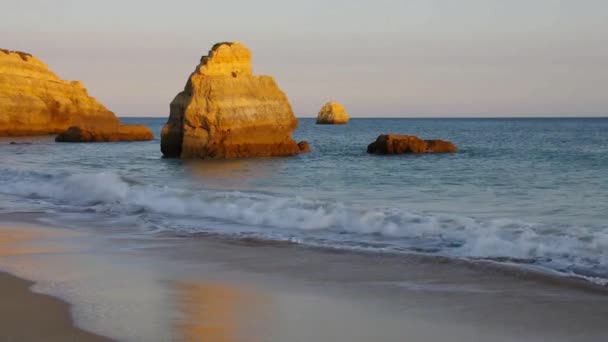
(573, 250)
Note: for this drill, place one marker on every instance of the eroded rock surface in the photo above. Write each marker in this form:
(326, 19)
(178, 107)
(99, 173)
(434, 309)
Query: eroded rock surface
(225, 111)
(119, 133)
(399, 144)
(332, 113)
(304, 147)
(35, 101)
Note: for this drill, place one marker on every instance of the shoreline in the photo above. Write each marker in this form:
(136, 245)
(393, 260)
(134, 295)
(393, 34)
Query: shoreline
(132, 287)
(512, 269)
(29, 316)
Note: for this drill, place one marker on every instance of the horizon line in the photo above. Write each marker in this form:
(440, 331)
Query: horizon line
(422, 117)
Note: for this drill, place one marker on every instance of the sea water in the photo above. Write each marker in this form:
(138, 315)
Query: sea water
(529, 192)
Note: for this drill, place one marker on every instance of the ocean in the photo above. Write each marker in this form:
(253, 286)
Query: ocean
(530, 193)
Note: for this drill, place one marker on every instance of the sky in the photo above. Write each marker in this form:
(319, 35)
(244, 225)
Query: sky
(380, 58)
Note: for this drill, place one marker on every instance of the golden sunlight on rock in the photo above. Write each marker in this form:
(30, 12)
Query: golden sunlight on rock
(226, 112)
(332, 113)
(35, 101)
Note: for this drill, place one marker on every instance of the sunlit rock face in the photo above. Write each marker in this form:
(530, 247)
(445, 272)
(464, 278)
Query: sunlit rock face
(332, 113)
(227, 112)
(34, 100)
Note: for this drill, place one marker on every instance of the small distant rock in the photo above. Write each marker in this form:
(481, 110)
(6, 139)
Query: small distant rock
(400, 144)
(304, 147)
(332, 113)
(106, 134)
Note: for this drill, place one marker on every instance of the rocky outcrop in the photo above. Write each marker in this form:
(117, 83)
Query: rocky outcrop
(304, 147)
(399, 144)
(120, 133)
(332, 113)
(225, 111)
(441, 146)
(35, 101)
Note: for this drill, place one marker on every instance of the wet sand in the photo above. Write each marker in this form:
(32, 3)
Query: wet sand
(132, 287)
(28, 316)
(318, 295)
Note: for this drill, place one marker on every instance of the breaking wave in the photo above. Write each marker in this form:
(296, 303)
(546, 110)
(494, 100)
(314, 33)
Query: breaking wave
(580, 251)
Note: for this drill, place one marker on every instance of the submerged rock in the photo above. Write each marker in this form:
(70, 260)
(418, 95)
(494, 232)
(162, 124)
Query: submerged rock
(399, 144)
(120, 133)
(225, 111)
(332, 113)
(35, 101)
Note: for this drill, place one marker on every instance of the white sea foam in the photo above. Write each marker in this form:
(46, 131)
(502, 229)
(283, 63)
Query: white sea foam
(575, 250)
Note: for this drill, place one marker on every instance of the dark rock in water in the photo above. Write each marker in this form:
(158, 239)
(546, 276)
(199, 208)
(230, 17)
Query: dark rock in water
(19, 143)
(304, 147)
(106, 134)
(399, 144)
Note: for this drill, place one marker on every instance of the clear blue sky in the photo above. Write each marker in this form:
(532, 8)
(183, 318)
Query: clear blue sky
(380, 58)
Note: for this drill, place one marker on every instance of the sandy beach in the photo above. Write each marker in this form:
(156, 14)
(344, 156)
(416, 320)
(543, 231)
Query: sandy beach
(304, 171)
(132, 288)
(28, 316)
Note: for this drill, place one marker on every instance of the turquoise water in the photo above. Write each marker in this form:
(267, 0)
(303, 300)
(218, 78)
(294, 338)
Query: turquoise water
(532, 192)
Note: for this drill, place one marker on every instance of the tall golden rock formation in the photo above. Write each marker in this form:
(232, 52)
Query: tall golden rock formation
(35, 101)
(332, 113)
(227, 112)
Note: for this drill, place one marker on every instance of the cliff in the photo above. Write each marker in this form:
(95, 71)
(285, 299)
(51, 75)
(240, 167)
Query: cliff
(225, 111)
(332, 113)
(35, 101)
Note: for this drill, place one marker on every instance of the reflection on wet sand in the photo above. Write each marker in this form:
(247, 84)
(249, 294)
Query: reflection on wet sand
(25, 315)
(228, 174)
(19, 241)
(217, 312)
